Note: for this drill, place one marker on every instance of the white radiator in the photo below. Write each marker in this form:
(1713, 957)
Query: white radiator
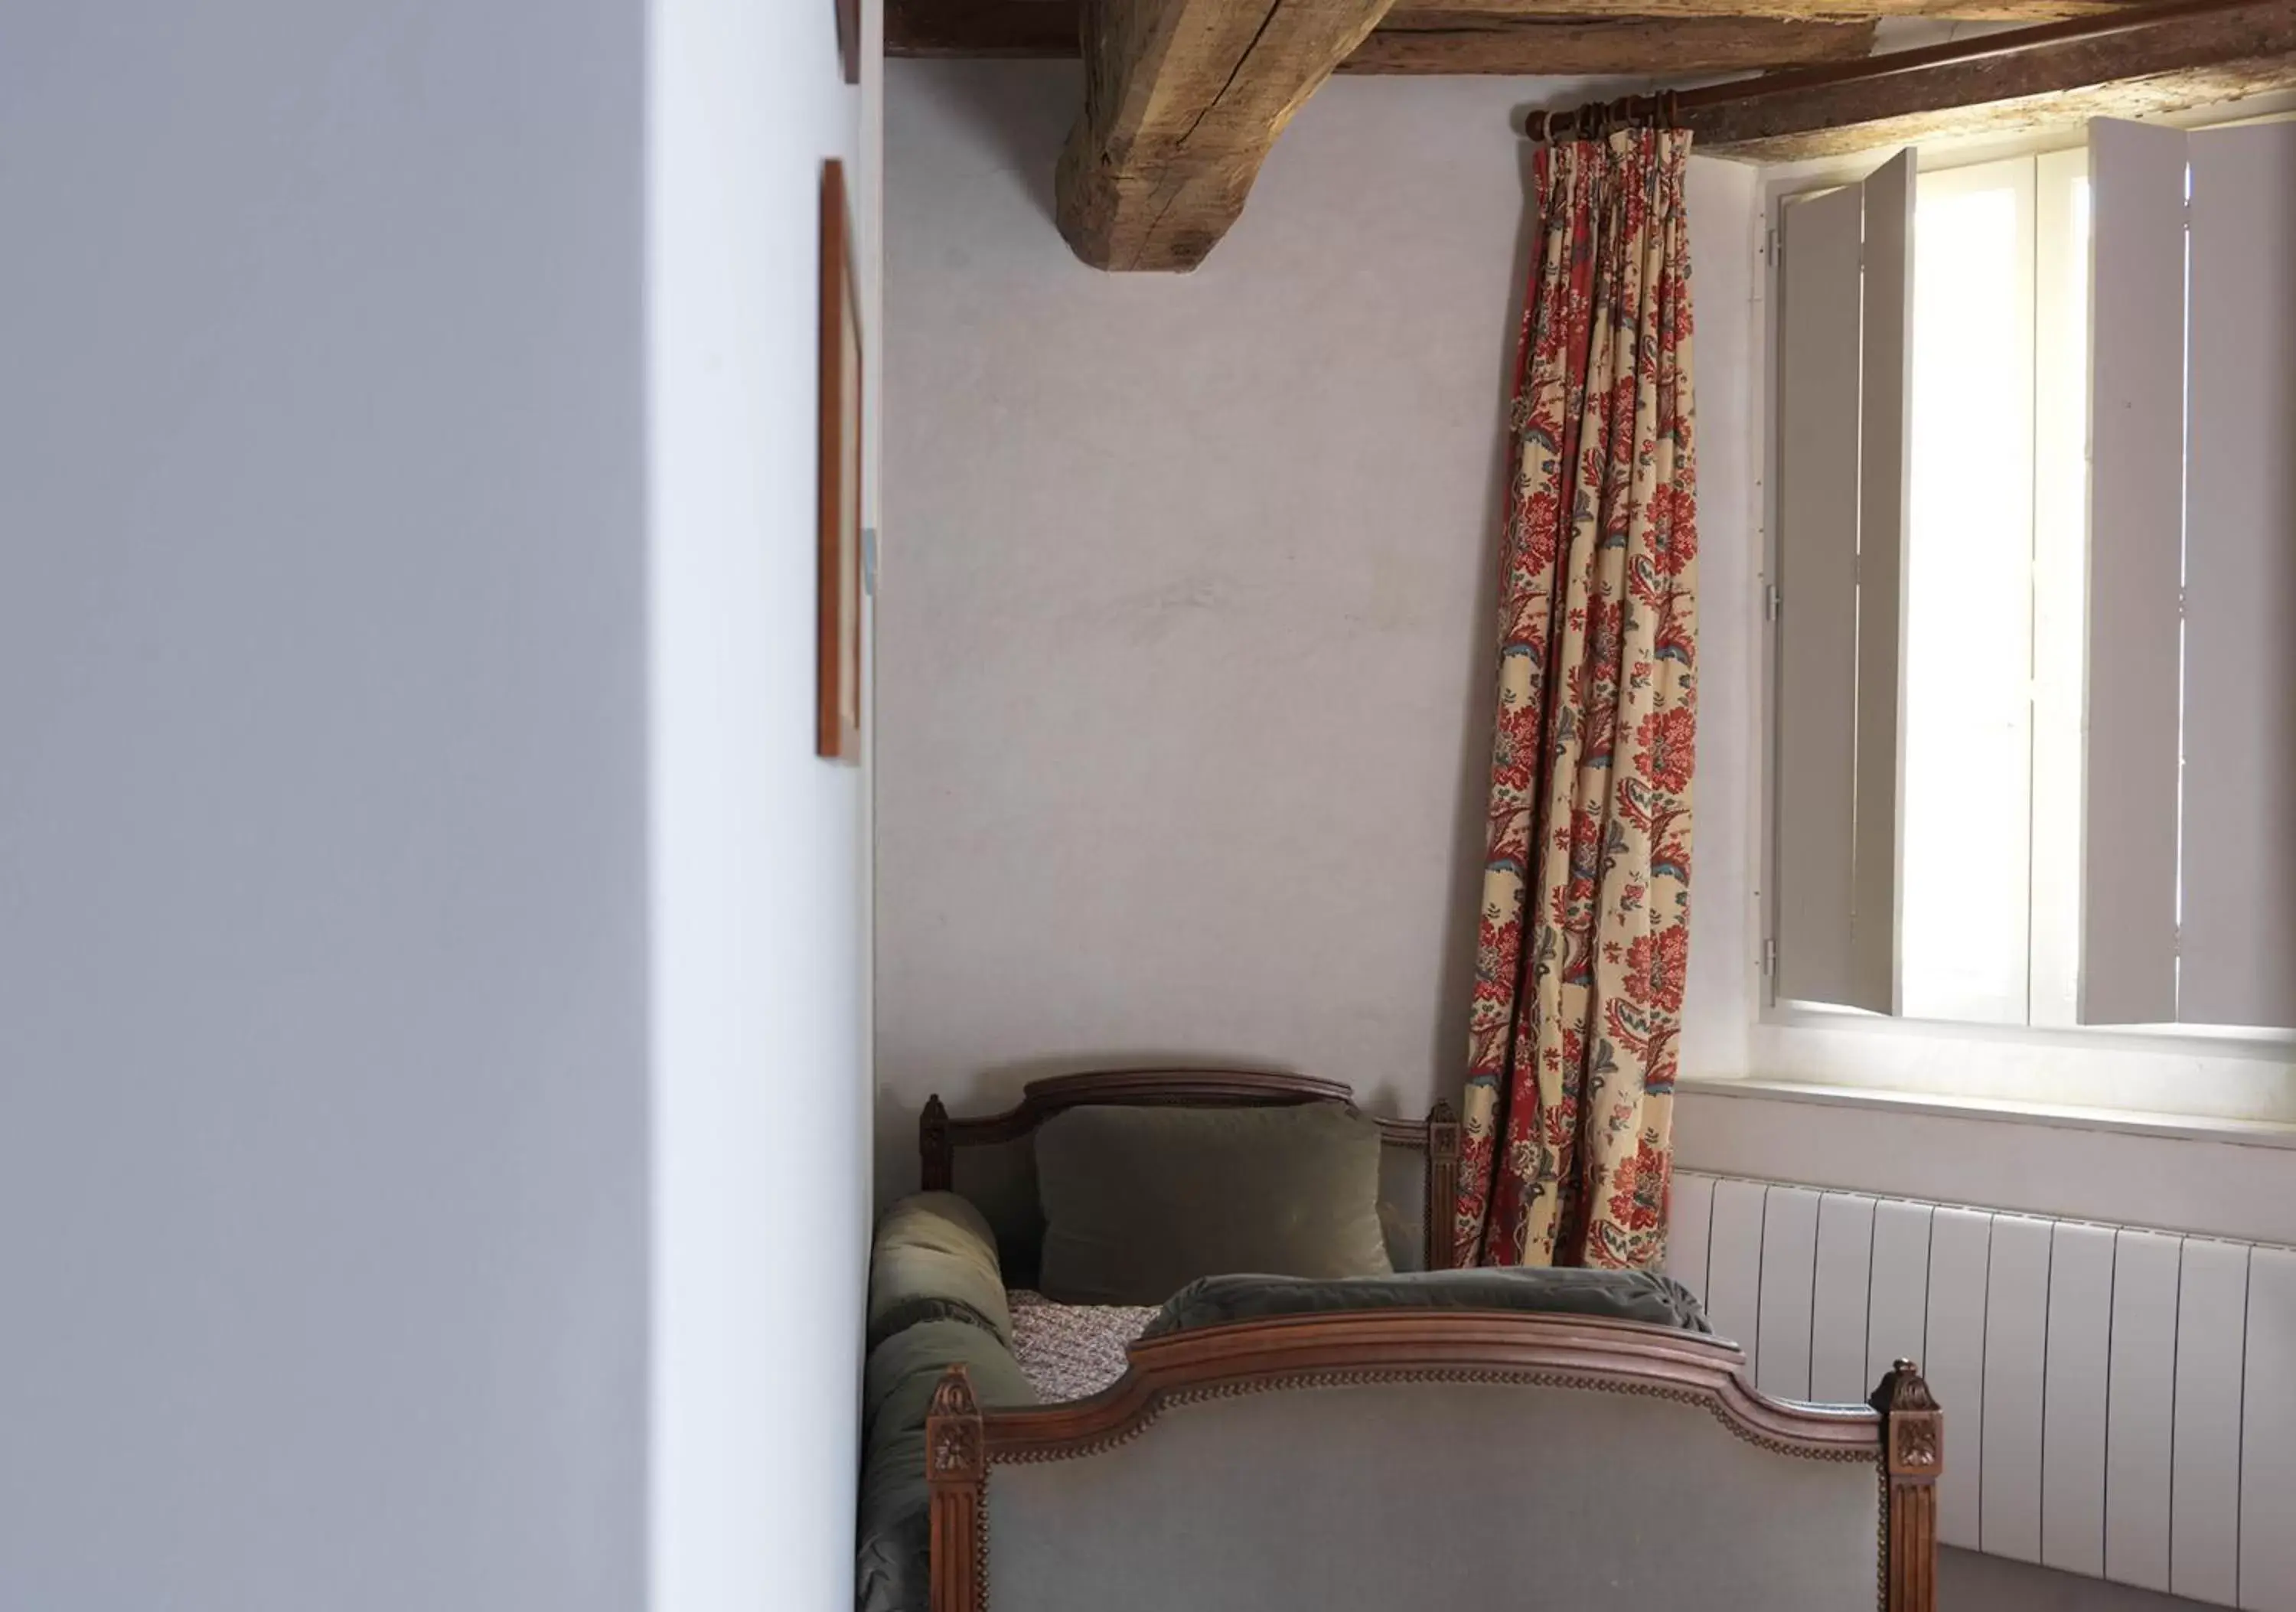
(2119, 1403)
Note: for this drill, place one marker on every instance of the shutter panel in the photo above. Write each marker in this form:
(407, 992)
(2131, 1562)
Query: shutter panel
(1884, 433)
(1817, 578)
(1844, 304)
(2239, 940)
(2136, 444)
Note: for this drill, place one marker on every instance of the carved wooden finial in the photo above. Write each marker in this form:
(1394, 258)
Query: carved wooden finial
(1915, 1426)
(953, 1394)
(935, 1171)
(952, 1450)
(1904, 1389)
(1443, 1127)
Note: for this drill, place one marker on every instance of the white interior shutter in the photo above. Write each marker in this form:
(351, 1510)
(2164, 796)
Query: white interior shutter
(1815, 819)
(1883, 440)
(1844, 304)
(2136, 444)
(2238, 952)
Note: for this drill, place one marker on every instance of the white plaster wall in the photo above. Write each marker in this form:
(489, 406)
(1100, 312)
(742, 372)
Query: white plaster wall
(433, 1109)
(1187, 603)
(760, 1140)
(2080, 1167)
(323, 708)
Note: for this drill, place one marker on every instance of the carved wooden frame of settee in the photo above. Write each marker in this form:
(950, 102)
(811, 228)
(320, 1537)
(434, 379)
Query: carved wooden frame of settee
(1899, 1432)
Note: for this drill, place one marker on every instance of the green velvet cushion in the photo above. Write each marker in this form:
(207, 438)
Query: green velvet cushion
(897, 1385)
(897, 1392)
(934, 1258)
(1632, 1296)
(1139, 1201)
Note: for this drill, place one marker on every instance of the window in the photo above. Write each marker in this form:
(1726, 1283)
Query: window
(2015, 668)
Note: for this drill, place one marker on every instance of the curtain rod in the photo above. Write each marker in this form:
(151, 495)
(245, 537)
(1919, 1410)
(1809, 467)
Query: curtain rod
(1670, 106)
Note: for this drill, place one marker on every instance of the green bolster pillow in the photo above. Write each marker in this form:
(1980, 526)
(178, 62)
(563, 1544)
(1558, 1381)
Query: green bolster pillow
(897, 1388)
(935, 1259)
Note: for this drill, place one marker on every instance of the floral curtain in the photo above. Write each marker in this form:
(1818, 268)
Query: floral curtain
(1583, 939)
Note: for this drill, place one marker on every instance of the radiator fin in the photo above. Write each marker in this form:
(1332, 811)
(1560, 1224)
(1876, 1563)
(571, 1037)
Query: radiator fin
(2016, 1338)
(2205, 1437)
(2140, 1407)
(2073, 1420)
(1789, 1270)
(2267, 1470)
(1840, 1304)
(1960, 1260)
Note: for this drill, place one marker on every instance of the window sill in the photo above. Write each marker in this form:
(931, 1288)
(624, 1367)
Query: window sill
(2166, 1040)
(2234, 1133)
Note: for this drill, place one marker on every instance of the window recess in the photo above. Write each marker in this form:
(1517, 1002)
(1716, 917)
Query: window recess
(2034, 713)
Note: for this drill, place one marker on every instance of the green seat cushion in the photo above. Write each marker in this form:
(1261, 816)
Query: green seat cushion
(934, 1258)
(1631, 1295)
(1140, 1201)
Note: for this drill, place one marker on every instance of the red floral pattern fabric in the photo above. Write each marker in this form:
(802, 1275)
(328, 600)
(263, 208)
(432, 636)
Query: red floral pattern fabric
(1584, 939)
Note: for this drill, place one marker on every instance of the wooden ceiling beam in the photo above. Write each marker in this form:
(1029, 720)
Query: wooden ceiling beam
(2196, 53)
(1423, 42)
(1051, 28)
(1802, 11)
(1182, 99)
(984, 29)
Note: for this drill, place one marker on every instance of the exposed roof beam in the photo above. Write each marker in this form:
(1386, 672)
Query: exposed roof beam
(1182, 99)
(2192, 54)
(1432, 42)
(1051, 28)
(981, 27)
(1807, 10)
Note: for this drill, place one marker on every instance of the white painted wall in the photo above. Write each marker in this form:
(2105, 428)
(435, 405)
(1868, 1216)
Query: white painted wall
(762, 1127)
(2093, 1166)
(323, 710)
(1188, 598)
(433, 1127)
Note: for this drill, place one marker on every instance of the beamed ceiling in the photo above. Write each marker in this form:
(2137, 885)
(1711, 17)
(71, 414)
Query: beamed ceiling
(1184, 98)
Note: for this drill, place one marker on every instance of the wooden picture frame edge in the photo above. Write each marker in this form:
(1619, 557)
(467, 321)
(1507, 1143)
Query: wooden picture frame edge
(849, 38)
(836, 637)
